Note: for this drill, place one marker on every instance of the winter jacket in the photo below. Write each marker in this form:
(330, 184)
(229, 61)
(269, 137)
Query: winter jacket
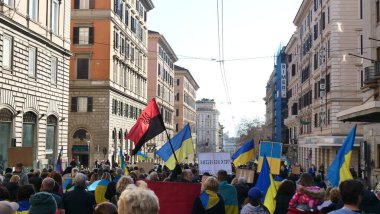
(307, 198)
(282, 203)
(12, 189)
(202, 204)
(242, 193)
(250, 209)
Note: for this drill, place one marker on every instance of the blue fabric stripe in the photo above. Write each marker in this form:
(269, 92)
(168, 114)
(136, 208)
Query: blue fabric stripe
(263, 182)
(165, 151)
(204, 199)
(245, 148)
(266, 149)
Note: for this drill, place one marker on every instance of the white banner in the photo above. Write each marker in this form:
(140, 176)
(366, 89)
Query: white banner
(213, 162)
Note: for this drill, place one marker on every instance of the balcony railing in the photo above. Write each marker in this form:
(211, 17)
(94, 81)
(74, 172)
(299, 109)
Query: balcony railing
(372, 73)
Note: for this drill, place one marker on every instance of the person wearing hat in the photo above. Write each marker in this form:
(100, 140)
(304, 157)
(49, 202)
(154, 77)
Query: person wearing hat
(253, 203)
(42, 203)
(8, 207)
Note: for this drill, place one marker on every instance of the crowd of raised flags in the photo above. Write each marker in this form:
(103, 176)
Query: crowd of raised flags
(261, 197)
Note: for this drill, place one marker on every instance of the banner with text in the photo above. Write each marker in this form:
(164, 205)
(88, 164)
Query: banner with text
(213, 162)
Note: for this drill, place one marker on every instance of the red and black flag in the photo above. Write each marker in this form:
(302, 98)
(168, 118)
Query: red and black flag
(149, 125)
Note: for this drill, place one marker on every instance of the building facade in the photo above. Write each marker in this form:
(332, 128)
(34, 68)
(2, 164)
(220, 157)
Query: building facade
(161, 59)
(108, 76)
(208, 127)
(34, 71)
(367, 81)
(323, 78)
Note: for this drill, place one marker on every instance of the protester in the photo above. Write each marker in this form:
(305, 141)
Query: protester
(23, 177)
(319, 182)
(48, 186)
(196, 178)
(333, 202)
(42, 203)
(7, 176)
(120, 187)
(58, 189)
(228, 193)
(8, 207)
(36, 180)
(370, 199)
(242, 190)
(13, 186)
(105, 208)
(137, 200)
(209, 201)
(285, 192)
(153, 176)
(94, 177)
(4, 194)
(187, 176)
(312, 170)
(253, 203)
(351, 193)
(111, 187)
(23, 196)
(307, 197)
(101, 188)
(79, 200)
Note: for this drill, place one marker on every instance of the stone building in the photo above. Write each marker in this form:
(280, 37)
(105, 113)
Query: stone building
(108, 76)
(34, 73)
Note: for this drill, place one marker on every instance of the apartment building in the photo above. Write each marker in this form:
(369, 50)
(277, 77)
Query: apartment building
(323, 78)
(108, 76)
(34, 72)
(367, 112)
(208, 127)
(161, 59)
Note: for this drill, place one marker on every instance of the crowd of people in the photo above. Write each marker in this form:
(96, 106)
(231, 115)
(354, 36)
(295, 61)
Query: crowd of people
(107, 190)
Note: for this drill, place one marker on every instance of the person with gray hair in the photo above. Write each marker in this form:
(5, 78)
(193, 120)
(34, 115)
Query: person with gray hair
(242, 190)
(48, 185)
(79, 200)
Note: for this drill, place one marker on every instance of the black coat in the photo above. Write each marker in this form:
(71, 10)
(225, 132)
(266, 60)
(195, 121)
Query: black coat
(370, 203)
(282, 203)
(78, 201)
(12, 189)
(242, 192)
(217, 209)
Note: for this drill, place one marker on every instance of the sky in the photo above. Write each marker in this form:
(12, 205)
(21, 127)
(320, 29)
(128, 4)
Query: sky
(253, 31)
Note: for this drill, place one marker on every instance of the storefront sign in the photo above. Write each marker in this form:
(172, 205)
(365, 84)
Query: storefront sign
(283, 80)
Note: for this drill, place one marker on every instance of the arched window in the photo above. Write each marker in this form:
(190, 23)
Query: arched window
(6, 118)
(51, 138)
(29, 129)
(81, 134)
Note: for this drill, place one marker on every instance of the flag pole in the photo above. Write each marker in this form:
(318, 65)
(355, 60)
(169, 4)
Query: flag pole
(171, 146)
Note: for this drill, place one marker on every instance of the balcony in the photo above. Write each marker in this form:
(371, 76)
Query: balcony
(372, 75)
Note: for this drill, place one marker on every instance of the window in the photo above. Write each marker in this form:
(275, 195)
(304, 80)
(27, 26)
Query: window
(29, 129)
(133, 24)
(126, 16)
(316, 31)
(83, 68)
(315, 61)
(328, 83)
(51, 135)
(9, 2)
(361, 78)
(177, 112)
(7, 52)
(361, 9)
(32, 62)
(293, 70)
(33, 10)
(83, 35)
(177, 81)
(54, 16)
(81, 104)
(53, 70)
(377, 11)
(158, 90)
(84, 4)
(361, 44)
(315, 120)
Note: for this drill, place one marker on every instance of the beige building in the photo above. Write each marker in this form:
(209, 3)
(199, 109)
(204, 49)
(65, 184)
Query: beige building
(185, 90)
(367, 110)
(108, 77)
(34, 73)
(209, 133)
(161, 59)
(322, 78)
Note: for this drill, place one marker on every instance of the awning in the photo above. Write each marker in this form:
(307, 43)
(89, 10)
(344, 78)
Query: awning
(368, 112)
(80, 149)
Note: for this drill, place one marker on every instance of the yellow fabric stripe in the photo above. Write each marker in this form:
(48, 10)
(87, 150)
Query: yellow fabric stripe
(231, 209)
(100, 192)
(344, 172)
(270, 201)
(274, 164)
(244, 158)
(186, 148)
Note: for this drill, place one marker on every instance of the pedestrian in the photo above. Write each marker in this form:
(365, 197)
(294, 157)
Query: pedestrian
(228, 193)
(42, 203)
(307, 196)
(48, 186)
(4, 194)
(120, 187)
(20, 172)
(36, 180)
(285, 192)
(111, 187)
(8, 207)
(209, 201)
(105, 208)
(13, 186)
(242, 189)
(23, 196)
(137, 200)
(332, 203)
(351, 193)
(101, 188)
(253, 203)
(79, 200)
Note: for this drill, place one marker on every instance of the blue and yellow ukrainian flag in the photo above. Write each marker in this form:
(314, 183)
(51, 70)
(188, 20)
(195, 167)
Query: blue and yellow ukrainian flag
(68, 181)
(340, 168)
(100, 191)
(244, 154)
(121, 162)
(182, 144)
(141, 156)
(266, 184)
(273, 152)
(209, 199)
